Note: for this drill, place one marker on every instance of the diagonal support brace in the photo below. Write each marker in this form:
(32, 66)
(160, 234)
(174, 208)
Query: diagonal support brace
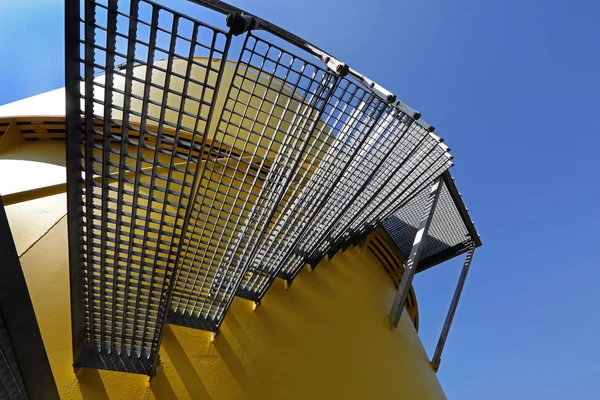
(415, 253)
(437, 355)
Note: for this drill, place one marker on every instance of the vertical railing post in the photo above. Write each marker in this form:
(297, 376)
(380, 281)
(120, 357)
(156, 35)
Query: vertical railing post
(415, 253)
(74, 177)
(437, 355)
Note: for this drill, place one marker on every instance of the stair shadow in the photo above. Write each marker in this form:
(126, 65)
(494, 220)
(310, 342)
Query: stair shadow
(183, 366)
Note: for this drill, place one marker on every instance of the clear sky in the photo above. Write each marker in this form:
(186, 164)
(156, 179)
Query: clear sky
(514, 88)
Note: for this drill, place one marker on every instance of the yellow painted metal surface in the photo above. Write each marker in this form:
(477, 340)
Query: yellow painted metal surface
(324, 338)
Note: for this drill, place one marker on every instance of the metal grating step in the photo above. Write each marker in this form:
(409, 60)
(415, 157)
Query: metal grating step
(272, 113)
(151, 75)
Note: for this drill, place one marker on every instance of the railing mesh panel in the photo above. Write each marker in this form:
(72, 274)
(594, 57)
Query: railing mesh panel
(351, 112)
(149, 78)
(271, 121)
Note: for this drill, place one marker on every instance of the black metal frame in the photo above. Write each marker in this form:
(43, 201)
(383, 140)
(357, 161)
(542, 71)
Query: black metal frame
(24, 367)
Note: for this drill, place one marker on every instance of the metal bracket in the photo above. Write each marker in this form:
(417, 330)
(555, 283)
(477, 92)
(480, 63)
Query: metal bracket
(335, 65)
(379, 90)
(239, 23)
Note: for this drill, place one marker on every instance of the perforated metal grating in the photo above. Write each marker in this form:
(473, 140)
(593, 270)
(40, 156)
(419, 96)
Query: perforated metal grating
(350, 114)
(450, 233)
(139, 146)
(366, 185)
(193, 179)
(271, 120)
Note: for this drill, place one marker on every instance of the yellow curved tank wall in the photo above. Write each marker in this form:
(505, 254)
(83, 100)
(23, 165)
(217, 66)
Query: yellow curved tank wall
(324, 338)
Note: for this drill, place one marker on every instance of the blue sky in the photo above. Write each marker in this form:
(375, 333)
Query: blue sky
(514, 87)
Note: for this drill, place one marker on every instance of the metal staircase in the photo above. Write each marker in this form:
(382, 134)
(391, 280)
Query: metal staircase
(208, 178)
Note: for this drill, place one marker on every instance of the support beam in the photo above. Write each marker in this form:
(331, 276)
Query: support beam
(437, 355)
(19, 329)
(415, 254)
(74, 165)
